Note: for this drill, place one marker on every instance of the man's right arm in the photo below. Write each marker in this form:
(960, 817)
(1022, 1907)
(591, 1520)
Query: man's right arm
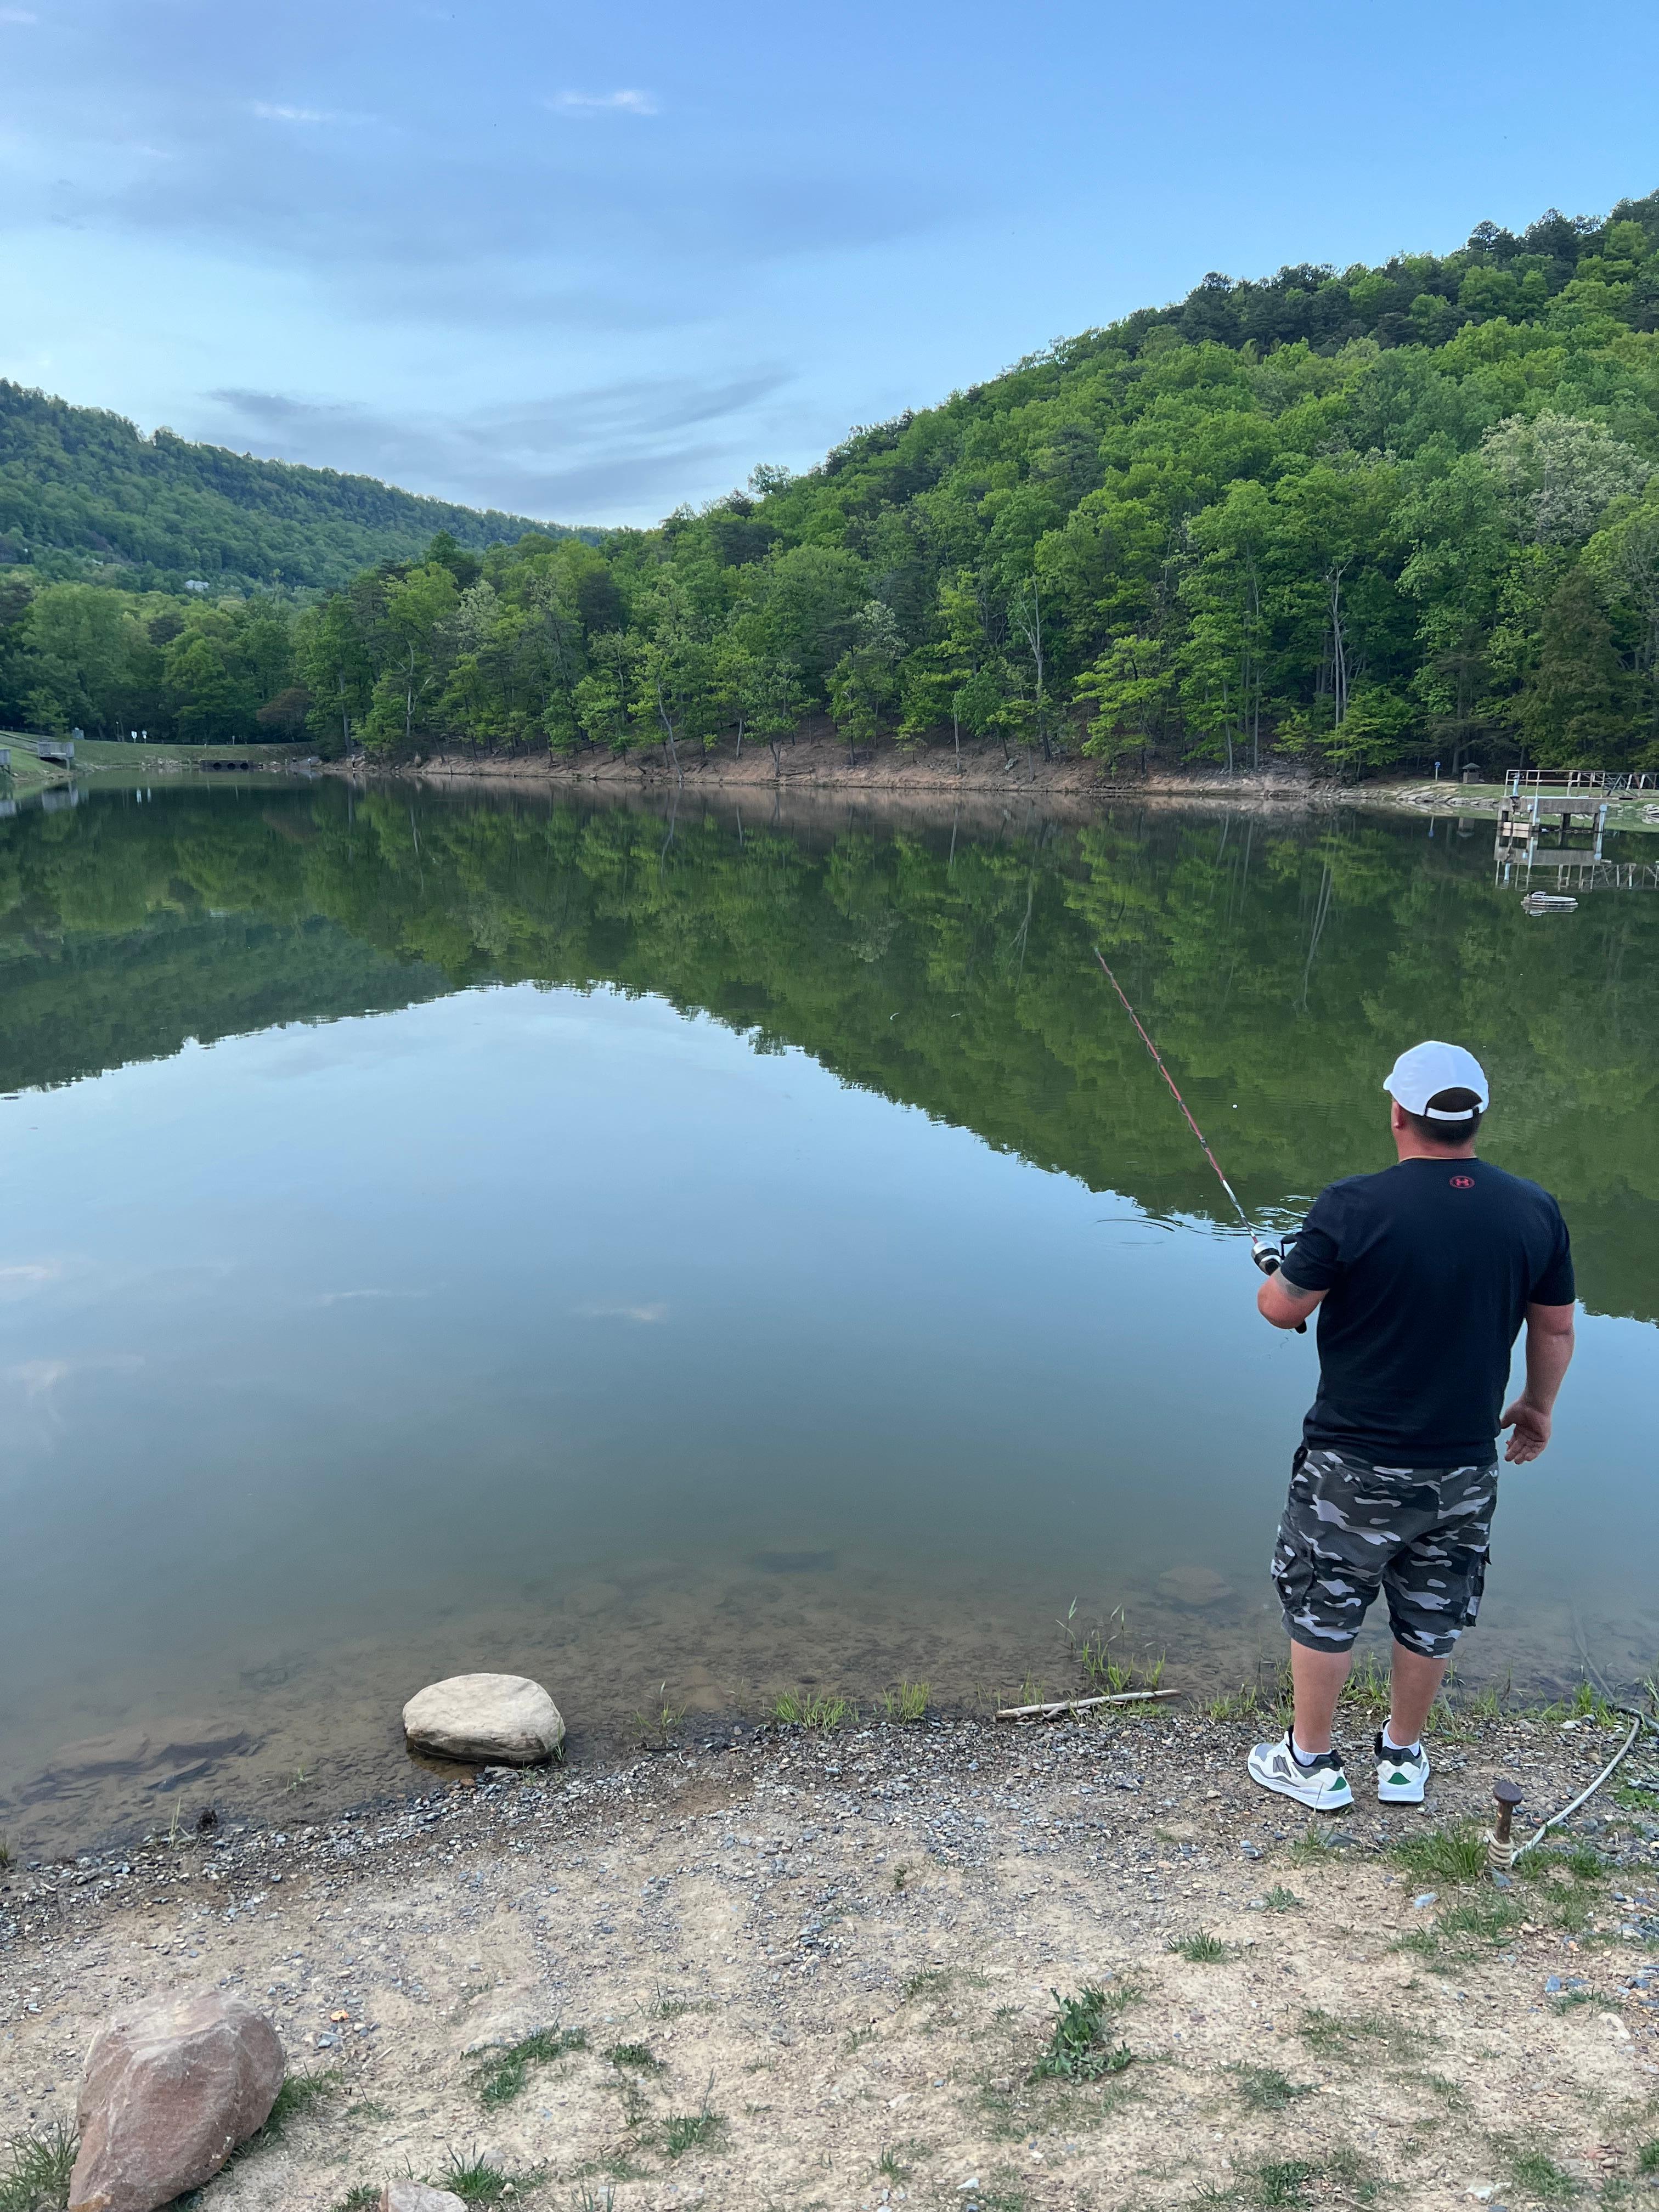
(1549, 1351)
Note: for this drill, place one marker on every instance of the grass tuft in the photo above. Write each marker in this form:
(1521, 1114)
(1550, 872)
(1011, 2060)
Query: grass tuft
(693, 2131)
(1352, 2037)
(1283, 2181)
(37, 2178)
(908, 1702)
(1647, 2159)
(1265, 2089)
(1368, 1689)
(1536, 2171)
(893, 2165)
(637, 2058)
(1080, 2048)
(1199, 1949)
(472, 2179)
(930, 1981)
(807, 1709)
(1280, 1899)
(1463, 1929)
(1456, 1855)
(358, 2199)
(1312, 1848)
(504, 2073)
(1106, 1671)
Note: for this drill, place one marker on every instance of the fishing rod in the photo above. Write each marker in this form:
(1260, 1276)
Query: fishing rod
(1268, 1256)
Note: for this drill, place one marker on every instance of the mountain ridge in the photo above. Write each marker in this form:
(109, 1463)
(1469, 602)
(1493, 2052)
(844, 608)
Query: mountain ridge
(83, 492)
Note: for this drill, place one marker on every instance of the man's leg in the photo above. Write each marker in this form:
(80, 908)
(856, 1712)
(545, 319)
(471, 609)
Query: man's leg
(1316, 1678)
(1416, 1682)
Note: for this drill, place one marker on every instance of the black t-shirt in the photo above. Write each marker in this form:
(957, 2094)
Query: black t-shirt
(1430, 1267)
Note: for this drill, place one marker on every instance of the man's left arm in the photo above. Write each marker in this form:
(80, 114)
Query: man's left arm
(1549, 1351)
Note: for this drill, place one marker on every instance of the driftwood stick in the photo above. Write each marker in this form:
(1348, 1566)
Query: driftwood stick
(1081, 1705)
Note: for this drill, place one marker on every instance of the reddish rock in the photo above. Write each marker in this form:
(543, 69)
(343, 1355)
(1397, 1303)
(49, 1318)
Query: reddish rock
(170, 2091)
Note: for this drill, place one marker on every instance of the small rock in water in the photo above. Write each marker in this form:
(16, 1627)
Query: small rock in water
(498, 1719)
(1189, 1584)
(170, 2091)
(416, 2197)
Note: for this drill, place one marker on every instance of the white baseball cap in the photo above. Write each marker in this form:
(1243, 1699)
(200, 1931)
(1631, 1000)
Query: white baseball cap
(1428, 1069)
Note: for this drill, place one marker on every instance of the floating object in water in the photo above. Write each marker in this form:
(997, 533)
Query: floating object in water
(1549, 903)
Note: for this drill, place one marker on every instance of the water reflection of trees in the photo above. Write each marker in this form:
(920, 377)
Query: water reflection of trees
(1281, 966)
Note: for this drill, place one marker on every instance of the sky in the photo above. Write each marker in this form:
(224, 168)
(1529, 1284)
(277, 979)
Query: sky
(590, 264)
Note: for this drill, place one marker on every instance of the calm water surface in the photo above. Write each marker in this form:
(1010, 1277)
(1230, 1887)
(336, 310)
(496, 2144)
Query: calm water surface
(682, 1261)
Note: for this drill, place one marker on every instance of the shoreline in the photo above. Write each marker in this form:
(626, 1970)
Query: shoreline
(840, 1948)
(818, 762)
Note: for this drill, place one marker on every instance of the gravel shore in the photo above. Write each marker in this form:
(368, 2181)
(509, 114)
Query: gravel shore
(774, 1968)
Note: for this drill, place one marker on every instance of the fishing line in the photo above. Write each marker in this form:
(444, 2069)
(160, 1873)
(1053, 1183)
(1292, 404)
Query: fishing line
(1269, 1257)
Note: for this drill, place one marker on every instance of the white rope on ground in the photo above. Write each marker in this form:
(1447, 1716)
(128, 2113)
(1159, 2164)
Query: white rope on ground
(1638, 1723)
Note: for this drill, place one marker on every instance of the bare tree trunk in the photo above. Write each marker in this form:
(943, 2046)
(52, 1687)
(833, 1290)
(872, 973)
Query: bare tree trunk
(672, 750)
(1339, 645)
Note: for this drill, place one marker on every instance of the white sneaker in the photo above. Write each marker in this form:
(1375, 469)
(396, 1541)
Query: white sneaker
(1323, 1785)
(1402, 1776)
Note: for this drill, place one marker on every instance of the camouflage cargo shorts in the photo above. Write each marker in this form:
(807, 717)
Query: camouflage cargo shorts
(1420, 1534)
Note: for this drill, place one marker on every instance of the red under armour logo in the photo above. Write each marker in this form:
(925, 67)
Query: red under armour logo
(1463, 1183)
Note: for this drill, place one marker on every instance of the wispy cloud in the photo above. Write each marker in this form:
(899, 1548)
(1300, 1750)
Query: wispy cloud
(18, 16)
(341, 1297)
(628, 101)
(620, 1313)
(36, 1377)
(272, 112)
(27, 1274)
(582, 452)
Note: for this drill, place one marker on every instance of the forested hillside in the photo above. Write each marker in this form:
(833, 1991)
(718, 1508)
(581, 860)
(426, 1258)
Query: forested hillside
(79, 485)
(1359, 518)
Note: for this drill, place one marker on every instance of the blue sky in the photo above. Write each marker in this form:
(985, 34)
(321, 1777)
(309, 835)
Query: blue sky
(589, 264)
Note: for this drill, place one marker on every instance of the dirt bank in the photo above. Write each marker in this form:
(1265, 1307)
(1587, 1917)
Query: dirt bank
(818, 761)
(816, 1971)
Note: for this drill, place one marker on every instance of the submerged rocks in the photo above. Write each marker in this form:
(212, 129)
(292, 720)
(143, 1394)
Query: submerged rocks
(416, 2197)
(170, 2091)
(491, 1719)
(1191, 1585)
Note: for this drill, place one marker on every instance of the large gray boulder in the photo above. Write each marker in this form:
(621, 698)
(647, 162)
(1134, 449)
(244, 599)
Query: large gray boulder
(170, 2090)
(491, 1720)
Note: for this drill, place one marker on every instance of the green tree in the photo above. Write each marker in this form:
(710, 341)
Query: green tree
(1133, 691)
(78, 642)
(865, 681)
(1575, 710)
(210, 698)
(418, 610)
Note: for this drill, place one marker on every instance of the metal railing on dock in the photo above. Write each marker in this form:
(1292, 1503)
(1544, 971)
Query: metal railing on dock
(1605, 782)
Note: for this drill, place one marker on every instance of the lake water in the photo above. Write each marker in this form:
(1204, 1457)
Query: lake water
(686, 1259)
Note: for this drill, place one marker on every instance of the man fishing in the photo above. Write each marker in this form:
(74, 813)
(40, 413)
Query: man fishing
(1422, 1277)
